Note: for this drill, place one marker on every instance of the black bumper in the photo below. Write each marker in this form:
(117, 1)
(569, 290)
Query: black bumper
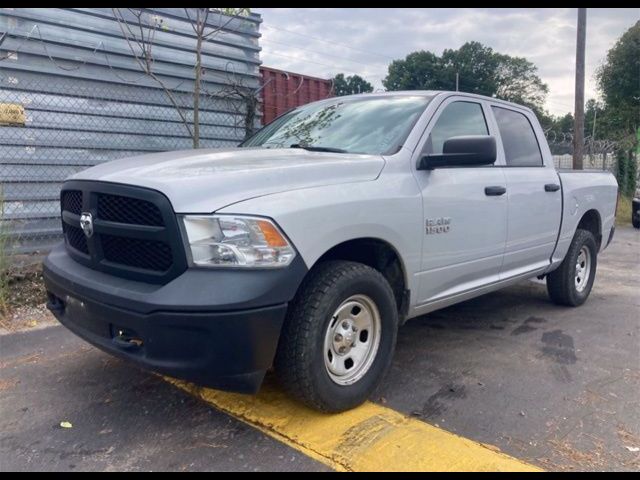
(215, 328)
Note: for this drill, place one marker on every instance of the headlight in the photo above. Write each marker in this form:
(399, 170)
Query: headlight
(236, 241)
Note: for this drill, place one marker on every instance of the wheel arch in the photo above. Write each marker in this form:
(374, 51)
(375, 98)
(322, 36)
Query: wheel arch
(380, 255)
(592, 222)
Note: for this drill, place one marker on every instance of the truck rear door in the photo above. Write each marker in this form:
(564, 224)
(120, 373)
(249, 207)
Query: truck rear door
(534, 193)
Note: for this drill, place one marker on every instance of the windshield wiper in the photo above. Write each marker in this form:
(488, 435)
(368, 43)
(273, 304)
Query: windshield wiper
(312, 148)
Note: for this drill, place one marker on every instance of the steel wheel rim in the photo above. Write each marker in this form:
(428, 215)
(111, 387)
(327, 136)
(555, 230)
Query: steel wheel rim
(352, 340)
(583, 269)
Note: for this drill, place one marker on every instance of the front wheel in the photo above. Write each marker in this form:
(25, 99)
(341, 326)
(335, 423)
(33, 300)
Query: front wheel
(339, 336)
(571, 283)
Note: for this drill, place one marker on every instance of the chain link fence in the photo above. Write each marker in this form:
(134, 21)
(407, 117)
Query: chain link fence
(82, 86)
(70, 125)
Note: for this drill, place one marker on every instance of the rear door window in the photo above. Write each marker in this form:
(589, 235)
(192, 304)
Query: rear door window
(521, 147)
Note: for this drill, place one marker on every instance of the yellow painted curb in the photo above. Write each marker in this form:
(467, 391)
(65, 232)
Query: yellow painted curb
(368, 438)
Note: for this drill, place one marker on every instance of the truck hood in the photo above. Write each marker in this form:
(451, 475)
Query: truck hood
(202, 181)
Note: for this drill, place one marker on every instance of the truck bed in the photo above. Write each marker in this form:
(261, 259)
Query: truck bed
(584, 191)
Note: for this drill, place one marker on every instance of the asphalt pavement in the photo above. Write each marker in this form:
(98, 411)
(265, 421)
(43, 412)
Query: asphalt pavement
(554, 386)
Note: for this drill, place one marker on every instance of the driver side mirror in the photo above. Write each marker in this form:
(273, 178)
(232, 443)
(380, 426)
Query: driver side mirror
(465, 151)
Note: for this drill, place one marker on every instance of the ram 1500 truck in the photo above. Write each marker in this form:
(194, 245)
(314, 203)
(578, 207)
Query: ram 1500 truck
(306, 247)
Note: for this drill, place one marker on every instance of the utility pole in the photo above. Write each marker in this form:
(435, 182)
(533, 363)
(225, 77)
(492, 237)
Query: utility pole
(457, 76)
(578, 125)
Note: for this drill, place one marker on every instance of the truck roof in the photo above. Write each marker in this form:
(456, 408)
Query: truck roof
(434, 93)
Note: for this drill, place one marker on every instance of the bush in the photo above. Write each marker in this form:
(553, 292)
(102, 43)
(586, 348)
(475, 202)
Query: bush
(623, 213)
(627, 172)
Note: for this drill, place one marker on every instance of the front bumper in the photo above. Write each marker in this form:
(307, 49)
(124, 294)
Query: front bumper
(218, 328)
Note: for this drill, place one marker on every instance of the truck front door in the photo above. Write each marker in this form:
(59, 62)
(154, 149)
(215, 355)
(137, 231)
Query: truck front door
(465, 214)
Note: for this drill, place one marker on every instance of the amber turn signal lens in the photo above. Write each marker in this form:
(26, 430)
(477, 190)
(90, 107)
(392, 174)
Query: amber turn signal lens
(271, 234)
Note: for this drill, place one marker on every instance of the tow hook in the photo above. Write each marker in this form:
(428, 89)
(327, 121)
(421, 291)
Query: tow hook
(126, 340)
(55, 304)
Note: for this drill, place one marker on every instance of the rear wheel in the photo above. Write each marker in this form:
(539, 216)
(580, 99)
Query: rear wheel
(571, 283)
(339, 336)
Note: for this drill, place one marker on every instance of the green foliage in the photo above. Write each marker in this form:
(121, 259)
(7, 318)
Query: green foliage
(517, 81)
(233, 12)
(623, 212)
(350, 85)
(418, 71)
(480, 70)
(627, 172)
(593, 111)
(563, 124)
(619, 82)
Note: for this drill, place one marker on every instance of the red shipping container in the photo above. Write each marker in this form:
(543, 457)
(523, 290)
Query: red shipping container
(281, 91)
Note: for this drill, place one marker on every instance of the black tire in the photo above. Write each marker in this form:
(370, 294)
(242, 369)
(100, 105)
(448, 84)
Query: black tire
(300, 363)
(561, 283)
(636, 222)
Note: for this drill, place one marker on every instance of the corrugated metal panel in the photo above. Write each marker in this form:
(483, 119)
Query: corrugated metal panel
(283, 91)
(87, 101)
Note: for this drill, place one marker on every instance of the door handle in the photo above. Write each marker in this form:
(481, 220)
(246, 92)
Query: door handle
(551, 187)
(494, 191)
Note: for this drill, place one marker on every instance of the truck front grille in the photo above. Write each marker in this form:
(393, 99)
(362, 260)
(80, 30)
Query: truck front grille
(150, 255)
(75, 238)
(115, 208)
(72, 201)
(135, 231)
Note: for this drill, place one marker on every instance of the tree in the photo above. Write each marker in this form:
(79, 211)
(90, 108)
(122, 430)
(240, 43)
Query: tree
(517, 81)
(350, 85)
(139, 29)
(479, 70)
(418, 71)
(619, 82)
(563, 124)
(244, 101)
(594, 117)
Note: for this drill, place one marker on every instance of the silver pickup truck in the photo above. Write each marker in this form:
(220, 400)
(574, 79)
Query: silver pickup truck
(306, 247)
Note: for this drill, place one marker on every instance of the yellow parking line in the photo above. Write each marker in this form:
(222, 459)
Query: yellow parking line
(368, 438)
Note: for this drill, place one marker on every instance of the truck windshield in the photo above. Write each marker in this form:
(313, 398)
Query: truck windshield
(366, 125)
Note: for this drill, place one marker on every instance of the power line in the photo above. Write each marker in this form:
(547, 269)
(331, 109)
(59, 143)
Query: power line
(379, 76)
(334, 66)
(329, 42)
(314, 51)
(559, 104)
(564, 105)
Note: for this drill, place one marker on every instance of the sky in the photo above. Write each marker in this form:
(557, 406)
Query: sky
(325, 41)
